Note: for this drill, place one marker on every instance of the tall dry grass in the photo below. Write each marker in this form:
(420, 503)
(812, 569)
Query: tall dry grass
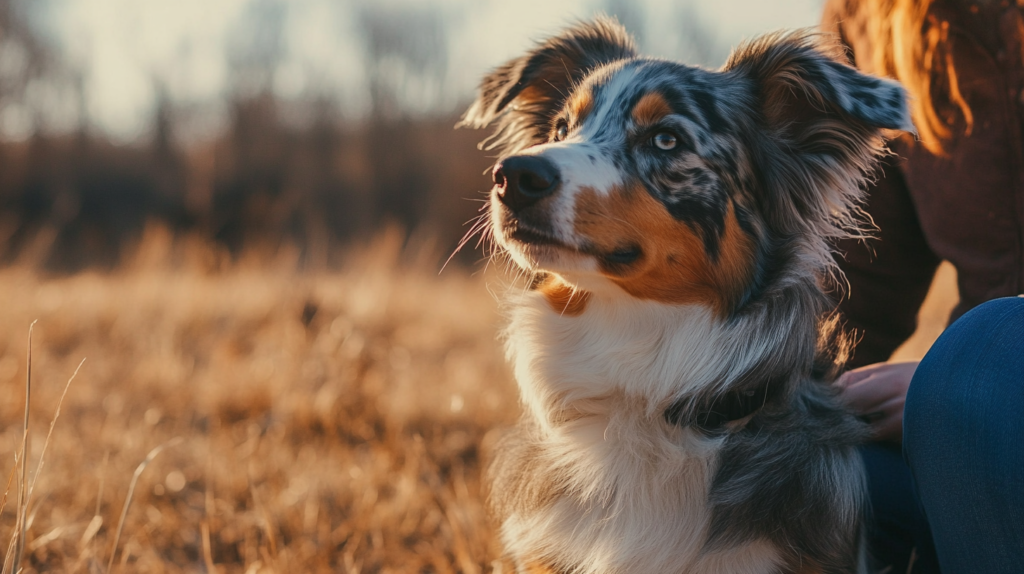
(312, 422)
(328, 422)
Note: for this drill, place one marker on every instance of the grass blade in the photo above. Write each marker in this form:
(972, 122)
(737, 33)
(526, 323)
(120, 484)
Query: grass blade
(53, 422)
(23, 485)
(10, 480)
(131, 491)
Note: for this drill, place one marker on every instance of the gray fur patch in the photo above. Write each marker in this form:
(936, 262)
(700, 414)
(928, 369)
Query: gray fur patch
(782, 478)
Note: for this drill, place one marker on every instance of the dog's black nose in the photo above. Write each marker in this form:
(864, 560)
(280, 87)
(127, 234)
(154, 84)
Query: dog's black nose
(523, 180)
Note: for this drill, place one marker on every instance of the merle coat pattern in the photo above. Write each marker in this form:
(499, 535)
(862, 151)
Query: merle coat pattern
(675, 356)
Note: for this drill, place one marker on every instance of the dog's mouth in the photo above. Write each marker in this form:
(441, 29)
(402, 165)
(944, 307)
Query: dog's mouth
(526, 229)
(529, 234)
(526, 235)
(533, 244)
(539, 244)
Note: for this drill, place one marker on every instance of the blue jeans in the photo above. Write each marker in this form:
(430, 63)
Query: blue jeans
(963, 441)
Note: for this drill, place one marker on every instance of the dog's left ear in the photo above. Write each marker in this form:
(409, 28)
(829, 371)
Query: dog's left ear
(524, 94)
(822, 123)
(797, 70)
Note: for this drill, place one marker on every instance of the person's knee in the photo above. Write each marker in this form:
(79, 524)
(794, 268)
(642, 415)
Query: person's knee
(961, 437)
(972, 358)
(987, 337)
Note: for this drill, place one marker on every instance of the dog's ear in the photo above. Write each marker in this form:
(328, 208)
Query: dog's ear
(794, 70)
(822, 124)
(523, 95)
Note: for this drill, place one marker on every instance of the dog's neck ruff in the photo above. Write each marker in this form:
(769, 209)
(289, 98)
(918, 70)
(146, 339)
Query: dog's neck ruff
(681, 362)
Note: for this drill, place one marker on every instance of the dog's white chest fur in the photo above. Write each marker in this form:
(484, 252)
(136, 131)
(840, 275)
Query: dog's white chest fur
(630, 489)
(642, 349)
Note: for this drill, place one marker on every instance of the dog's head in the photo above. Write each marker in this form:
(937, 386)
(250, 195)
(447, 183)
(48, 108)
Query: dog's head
(673, 183)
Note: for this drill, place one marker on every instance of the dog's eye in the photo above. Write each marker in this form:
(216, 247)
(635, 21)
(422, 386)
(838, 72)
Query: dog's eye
(561, 131)
(665, 141)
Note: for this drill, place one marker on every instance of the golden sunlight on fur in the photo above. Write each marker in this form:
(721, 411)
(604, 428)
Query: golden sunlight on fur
(563, 298)
(581, 104)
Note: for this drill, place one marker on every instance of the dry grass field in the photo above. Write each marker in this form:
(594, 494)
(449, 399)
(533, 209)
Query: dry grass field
(328, 422)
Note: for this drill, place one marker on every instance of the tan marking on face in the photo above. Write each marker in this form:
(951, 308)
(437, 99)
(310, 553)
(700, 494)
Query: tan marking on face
(533, 95)
(651, 108)
(673, 266)
(581, 104)
(564, 299)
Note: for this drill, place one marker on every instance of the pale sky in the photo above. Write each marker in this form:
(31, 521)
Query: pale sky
(122, 46)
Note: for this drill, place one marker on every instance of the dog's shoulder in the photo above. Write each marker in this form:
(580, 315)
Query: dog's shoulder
(792, 475)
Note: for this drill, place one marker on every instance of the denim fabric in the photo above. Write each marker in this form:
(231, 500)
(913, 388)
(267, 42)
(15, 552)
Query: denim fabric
(963, 438)
(898, 535)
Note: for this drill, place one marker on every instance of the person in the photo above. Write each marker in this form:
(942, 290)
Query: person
(954, 500)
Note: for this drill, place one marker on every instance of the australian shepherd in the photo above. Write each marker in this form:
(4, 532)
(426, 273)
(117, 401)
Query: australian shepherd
(675, 355)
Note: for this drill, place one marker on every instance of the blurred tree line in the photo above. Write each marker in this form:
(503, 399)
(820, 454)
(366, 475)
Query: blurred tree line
(281, 173)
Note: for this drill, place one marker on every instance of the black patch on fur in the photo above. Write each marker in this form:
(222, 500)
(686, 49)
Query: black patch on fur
(678, 102)
(706, 102)
(771, 259)
(745, 220)
(537, 280)
(705, 215)
(710, 414)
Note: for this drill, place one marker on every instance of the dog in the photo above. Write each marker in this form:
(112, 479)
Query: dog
(676, 351)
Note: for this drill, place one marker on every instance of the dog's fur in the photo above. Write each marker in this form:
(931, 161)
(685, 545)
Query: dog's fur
(673, 355)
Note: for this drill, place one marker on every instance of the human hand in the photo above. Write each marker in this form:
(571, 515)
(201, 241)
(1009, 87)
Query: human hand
(877, 393)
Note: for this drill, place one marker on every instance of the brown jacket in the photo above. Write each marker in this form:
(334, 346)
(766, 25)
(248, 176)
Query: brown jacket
(967, 208)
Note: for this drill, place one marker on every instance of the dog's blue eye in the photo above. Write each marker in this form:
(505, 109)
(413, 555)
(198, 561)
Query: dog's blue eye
(665, 141)
(561, 132)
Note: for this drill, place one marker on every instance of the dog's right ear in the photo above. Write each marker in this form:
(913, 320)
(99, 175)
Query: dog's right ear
(523, 95)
